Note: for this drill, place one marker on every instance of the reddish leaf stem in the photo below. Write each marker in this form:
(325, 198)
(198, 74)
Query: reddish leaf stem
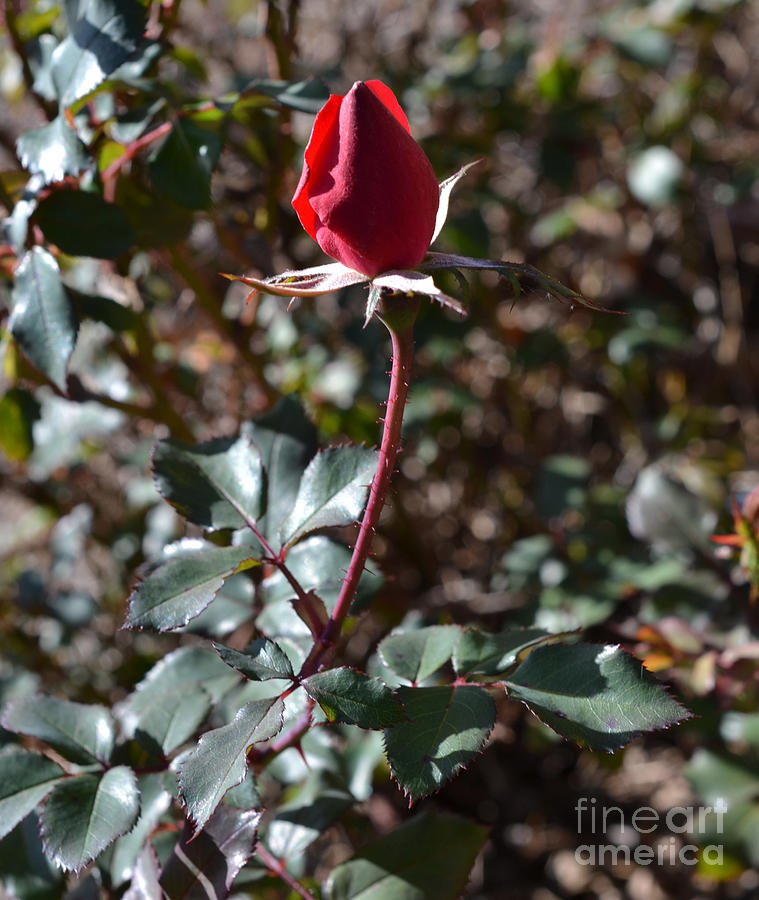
(277, 867)
(399, 321)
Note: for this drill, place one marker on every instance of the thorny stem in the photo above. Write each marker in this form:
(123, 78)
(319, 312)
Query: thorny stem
(398, 314)
(277, 867)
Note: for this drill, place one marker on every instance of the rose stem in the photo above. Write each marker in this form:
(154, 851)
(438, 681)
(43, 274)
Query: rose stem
(278, 868)
(398, 314)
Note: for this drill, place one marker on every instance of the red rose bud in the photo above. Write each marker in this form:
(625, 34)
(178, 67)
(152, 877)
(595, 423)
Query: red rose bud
(368, 194)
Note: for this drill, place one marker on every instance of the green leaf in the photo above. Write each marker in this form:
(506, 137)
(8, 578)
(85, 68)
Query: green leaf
(43, 320)
(232, 607)
(219, 761)
(27, 874)
(491, 654)
(83, 224)
(286, 438)
(303, 819)
(181, 167)
(426, 858)
(173, 718)
(82, 733)
(189, 672)
(306, 96)
(156, 220)
(106, 32)
(25, 779)
(447, 727)
(52, 151)
(110, 312)
(19, 410)
(415, 655)
(145, 875)
(595, 695)
(218, 484)
(124, 853)
(183, 586)
(260, 661)
(332, 491)
(346, 695)
(204, 865)
(85, 813)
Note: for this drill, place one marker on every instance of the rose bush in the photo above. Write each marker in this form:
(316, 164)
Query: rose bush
(368, 194)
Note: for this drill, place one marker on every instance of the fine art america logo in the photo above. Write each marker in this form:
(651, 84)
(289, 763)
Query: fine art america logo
(670, 832)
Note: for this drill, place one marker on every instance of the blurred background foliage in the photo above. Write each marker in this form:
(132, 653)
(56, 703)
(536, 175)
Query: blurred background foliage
(564, 469)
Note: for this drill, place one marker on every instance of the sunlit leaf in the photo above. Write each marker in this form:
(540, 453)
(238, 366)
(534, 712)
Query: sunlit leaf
(447, 727)
(217, 484)
(286, 438)
(596, 695)
(85, 813)
(182, 587)
(220, 759)
(491, 654)
(105, 33)
(52, 151)
(125, 852)
(81, 733)
(43, 319)
(347, 695)
(333, 491)
(25, 779)
(260, 661)
(299, 822)
(188, 678)
(415, 655)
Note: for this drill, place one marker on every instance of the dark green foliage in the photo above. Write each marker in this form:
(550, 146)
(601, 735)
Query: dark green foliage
(183, 586)
(261, 660)
(346, 695)
(596, 695)
(428, 857)
(83, 224)
(446, 728)
(181, 167)
(210, 861)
